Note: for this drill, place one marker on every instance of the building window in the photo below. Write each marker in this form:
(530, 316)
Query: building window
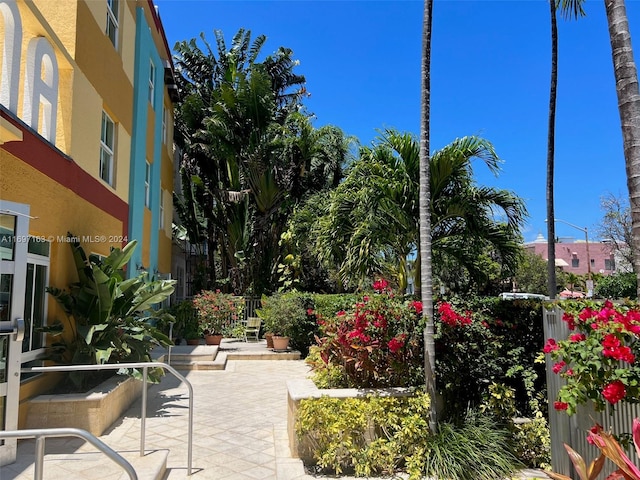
(161, 209)
(147, 185)
(152, 76)
(609, 264)
(107, 149)
(112, 21)
(575, 262)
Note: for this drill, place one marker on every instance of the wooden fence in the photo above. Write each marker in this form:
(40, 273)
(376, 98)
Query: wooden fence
(573, 430)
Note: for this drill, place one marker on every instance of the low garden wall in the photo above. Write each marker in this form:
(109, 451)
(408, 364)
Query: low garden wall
(93, 411)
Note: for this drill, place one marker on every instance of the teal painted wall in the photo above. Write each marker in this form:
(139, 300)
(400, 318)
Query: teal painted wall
(145, 53)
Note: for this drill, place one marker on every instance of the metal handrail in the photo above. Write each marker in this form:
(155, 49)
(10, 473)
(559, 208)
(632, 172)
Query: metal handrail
(143, 415)
(40, 434)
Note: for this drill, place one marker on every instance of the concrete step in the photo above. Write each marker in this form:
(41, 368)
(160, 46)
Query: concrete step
(152, 466)
(69, 458)
(218, 363)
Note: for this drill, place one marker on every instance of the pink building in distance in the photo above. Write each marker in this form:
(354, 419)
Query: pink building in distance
(571, 255)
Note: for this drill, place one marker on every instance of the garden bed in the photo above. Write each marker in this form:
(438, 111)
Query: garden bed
(93, 411)
(298, 390)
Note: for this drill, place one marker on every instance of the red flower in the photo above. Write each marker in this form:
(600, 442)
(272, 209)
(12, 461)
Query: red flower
(485, 324)
(577, 337)
(571, 322)
(309, 311)
(558, 366)
(380, 285)
(550, 346)
(614, 392)
(560, 405)
(395, 344)
(417, 307)
(610, 341)
(341, 313)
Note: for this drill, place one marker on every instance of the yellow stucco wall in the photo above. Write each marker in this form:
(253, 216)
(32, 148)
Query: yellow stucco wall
(31, 17)
(61, 17)
(57, 210)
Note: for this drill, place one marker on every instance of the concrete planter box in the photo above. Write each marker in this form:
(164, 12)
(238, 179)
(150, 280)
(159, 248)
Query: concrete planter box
(93, 411)
(298, 390)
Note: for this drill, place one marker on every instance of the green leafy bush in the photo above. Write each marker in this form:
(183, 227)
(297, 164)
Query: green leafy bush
(531, 437)
(500, 345)
(290, 314)
(381, 435)
(618, 285)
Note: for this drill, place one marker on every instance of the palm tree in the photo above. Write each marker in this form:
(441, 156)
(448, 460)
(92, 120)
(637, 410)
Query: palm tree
(628, 92)
(426, 279)
(371, 223)
(568, 8)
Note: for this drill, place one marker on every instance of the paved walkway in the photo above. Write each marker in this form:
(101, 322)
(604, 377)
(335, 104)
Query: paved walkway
(240, 430)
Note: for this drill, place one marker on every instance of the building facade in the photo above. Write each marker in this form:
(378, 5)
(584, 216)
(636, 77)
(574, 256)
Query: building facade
(86, 118)
(580, 257)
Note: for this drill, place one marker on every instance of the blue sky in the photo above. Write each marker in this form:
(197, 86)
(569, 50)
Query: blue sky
(490, 77)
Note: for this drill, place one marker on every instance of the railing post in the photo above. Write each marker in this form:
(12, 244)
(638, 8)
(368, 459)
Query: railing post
(39, 466)
(143, 414)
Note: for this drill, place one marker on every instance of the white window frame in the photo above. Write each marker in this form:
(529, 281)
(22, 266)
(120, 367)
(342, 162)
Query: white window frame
(165, 114)
(44, 261)
(106, 149)
(152, 78)
(147, 185)
(112, 20)
(161, 209)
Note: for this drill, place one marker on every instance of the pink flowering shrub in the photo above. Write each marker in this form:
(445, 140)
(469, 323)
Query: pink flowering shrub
(598, 359)
(376, 344)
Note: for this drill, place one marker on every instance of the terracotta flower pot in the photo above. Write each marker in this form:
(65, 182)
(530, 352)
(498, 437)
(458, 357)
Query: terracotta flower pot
(280, 343)
(193, 341)
(213, 339)
(269, 338)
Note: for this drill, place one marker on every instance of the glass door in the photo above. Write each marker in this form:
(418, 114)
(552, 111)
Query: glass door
(14, 235)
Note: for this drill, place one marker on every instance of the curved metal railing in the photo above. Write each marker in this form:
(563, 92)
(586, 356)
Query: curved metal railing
(40, 434)
(143, 415)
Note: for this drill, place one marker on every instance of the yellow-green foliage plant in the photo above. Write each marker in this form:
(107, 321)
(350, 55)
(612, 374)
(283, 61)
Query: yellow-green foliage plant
(382, 435)
(369, 435)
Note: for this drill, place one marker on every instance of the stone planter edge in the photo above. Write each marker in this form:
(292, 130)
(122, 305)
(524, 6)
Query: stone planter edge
(94, 411)
(301, 389)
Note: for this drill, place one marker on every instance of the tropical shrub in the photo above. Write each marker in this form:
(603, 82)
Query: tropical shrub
(531, 437)
(500, 344)
(377, 343)
(598, 360)
(290, 314)
(618, 285)
(327, 305)
(109, 317)
(381, 435)
(217, 311)
(185, 320)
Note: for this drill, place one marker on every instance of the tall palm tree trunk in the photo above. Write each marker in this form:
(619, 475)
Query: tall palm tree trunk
(551, 135)
(626, 76)
(425, 214)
